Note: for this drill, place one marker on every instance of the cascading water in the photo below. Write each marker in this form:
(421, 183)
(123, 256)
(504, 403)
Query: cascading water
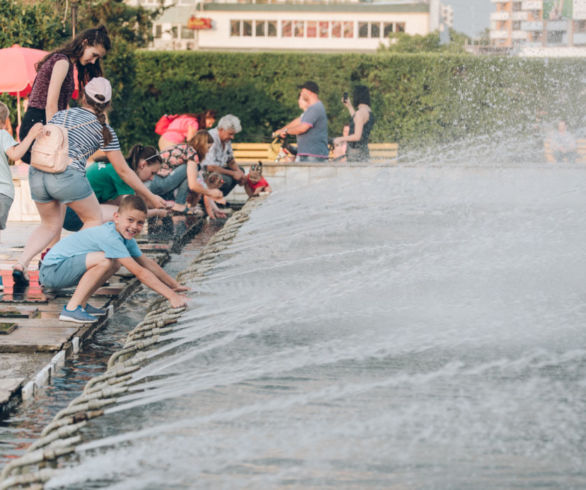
(407, 327)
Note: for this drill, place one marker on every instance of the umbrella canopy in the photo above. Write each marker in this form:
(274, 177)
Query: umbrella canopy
(18, 69)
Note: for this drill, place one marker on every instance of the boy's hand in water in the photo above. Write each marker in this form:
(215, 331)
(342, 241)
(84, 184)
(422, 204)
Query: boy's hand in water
(178, 300)
(181, 288)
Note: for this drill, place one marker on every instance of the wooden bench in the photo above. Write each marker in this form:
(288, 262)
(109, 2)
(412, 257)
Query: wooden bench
(580, 150)
(253, 152)
(267, 152)
(383, 152)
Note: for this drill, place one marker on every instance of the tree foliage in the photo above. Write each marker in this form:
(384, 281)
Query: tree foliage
(401, 42)
(38, 25)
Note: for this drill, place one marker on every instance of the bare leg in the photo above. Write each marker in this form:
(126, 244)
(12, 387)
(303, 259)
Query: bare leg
(88, 210)
(98, 270)
(108, 211)
(52, 215)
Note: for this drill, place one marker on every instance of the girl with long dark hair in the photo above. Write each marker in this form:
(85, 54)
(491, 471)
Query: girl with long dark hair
(54, 84)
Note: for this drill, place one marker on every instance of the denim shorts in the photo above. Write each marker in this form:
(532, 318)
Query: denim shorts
(65, 274)
(69, 186)
(5, 203)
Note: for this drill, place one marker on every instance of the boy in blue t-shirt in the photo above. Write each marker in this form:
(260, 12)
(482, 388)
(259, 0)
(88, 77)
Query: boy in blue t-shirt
(14, 151)
(90, 257)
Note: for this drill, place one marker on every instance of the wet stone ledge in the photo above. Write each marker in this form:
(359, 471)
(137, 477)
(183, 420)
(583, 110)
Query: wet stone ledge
(59, 439)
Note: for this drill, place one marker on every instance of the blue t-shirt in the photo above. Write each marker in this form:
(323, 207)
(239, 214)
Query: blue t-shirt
(103, 238)
(314, 142)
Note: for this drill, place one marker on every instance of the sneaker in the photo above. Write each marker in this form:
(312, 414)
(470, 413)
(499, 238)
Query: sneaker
(92, 310)
(79, 315)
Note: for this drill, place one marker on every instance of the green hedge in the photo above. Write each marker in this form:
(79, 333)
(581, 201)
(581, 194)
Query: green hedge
(418, 100)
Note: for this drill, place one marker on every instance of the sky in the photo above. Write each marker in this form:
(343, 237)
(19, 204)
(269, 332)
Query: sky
(471, 16)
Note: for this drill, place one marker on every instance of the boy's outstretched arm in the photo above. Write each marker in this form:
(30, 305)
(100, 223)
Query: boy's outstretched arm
(158, 271)
(148, 278)
(18, 151)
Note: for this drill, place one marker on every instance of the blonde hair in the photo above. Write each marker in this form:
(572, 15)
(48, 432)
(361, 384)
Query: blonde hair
(201, 142)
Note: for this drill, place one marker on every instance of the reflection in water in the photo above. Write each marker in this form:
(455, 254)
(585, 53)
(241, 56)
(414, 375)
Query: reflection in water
(397, 327)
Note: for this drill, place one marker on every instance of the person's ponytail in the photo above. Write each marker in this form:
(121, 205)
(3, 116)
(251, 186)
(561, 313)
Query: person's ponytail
(100, 111)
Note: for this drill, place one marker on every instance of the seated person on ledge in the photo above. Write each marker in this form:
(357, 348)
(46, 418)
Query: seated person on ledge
(90, 257)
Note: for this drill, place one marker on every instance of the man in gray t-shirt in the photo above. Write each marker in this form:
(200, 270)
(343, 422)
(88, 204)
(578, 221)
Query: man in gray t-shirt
(311, 128)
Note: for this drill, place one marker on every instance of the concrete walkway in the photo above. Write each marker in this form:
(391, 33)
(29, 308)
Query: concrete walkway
(34, 341)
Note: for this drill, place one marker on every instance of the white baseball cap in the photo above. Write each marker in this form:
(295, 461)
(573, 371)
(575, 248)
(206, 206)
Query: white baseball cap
(99, 89)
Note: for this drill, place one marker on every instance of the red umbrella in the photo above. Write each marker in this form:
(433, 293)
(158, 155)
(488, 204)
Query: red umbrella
(18, 70)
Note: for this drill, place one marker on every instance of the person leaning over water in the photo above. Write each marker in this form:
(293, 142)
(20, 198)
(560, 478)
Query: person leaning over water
(311, 128)
(360, 125)
(54, 84)
(180, 176)
(87, 132)
(88, 258)
(109, 188)
(220, 157)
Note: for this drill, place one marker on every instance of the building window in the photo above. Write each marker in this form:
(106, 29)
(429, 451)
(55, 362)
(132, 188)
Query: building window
(234, 28)
(174, 32)
(187, 33)
(400, 27)
(324, 29)
(387, 29)
(286, 28)
(311, 28)
(272, 28)
(158, 31)
(348, 29)
(375, 29)
(247, 28)
(260, 28)
(299, 28)
(336, 29)
(362, 29)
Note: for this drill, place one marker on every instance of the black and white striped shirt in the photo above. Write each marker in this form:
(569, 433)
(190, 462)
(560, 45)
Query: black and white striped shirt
(84, 140)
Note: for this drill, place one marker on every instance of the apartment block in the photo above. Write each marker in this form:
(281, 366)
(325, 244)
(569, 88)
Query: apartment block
(538, 23)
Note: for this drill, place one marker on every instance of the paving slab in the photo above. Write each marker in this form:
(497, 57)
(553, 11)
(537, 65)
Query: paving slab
(38, 335)
(8, 386)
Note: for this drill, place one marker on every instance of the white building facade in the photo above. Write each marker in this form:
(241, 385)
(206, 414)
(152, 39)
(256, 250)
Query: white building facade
(325, 26)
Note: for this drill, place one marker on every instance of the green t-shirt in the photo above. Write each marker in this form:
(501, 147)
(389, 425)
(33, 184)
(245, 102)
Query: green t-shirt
(106, 183)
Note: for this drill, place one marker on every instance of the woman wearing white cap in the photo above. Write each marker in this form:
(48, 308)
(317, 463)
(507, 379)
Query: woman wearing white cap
(87, 132)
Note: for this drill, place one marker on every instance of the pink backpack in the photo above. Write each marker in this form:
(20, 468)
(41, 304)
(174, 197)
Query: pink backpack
(50, 150)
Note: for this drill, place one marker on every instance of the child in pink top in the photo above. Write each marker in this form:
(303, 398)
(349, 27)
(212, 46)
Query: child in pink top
(255, 182)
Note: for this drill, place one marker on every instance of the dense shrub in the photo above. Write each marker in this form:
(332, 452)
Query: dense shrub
(417, 99)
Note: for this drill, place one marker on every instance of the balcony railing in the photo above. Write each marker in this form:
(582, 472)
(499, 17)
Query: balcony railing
(519, 35)
(500, 16)
(557, 25)
(532, 5)
(532, 26)
(499, 34)
(516, 16)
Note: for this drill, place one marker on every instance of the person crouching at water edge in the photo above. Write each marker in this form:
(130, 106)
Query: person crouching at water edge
(91, 256)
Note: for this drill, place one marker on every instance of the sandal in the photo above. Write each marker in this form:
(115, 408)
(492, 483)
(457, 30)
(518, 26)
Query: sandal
(19, 276)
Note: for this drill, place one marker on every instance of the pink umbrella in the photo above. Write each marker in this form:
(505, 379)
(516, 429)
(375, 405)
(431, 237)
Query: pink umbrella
(18, 71)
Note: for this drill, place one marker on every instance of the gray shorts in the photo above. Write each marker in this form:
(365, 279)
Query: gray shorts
(65, 274)
(69, 186)
(5, 203)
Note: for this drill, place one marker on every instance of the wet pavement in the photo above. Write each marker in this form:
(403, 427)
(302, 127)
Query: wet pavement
(33, 341)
